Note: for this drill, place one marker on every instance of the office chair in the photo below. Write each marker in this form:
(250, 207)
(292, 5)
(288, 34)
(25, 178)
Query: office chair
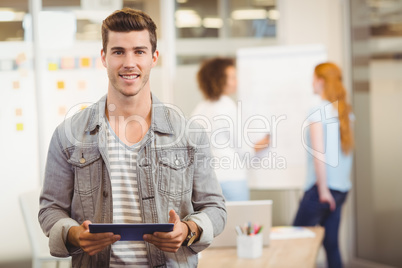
(29, 203)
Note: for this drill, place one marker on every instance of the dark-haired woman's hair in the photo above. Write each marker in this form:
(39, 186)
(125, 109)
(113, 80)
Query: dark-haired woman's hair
(212, 77)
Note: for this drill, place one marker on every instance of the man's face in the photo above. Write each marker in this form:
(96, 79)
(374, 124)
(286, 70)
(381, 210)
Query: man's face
(129, 60)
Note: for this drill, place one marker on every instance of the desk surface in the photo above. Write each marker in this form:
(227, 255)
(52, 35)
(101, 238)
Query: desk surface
(299, 252)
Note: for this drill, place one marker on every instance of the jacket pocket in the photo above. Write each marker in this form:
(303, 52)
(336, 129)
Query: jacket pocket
(87, 170)
(87, 165)
(175, 173)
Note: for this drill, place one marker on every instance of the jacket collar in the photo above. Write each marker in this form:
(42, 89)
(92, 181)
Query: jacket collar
(160, 120)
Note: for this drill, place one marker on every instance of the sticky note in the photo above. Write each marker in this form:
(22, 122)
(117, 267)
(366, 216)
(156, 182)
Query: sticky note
(20, 127)
(85, 62)
(18, 112)
(60, 85)
(82, 84)
(23, 72)
(52, 66)
(21, 58)
(16, 84)
(67, 63)
(62, 110)
(83, 107)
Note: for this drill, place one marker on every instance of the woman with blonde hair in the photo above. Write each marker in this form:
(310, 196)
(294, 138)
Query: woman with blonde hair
(330, 141)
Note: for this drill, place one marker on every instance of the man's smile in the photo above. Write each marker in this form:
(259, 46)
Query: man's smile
(129, 76)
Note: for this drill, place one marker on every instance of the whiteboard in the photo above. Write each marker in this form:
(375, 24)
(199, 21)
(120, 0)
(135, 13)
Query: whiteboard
(276, 83)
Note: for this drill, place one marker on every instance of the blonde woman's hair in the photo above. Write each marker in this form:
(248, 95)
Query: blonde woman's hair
(335, 92)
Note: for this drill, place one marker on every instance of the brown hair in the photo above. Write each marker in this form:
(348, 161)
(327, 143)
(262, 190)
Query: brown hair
(334, 91)
(212, 76)
(127, 20)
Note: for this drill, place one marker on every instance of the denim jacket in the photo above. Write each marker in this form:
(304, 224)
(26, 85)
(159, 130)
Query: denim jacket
(172, 173)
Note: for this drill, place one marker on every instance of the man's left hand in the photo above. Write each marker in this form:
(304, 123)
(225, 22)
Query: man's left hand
(171, 241)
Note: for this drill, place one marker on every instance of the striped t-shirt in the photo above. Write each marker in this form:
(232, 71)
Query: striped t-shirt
(126, 206)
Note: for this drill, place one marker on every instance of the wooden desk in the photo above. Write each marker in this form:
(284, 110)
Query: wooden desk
(300, 252)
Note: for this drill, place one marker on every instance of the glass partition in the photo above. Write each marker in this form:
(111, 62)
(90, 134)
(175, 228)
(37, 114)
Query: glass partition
(377, 84)
(226, 18)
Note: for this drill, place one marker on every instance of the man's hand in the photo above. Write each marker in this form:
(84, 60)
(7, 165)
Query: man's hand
(171, 241)
(80, 236)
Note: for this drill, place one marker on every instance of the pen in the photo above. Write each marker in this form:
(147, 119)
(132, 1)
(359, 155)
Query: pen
(238, 230)
(250, 229)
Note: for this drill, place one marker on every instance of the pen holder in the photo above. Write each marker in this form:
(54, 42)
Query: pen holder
(249, 246)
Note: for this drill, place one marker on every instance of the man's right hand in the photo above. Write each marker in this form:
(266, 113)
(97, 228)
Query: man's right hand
(80, 236)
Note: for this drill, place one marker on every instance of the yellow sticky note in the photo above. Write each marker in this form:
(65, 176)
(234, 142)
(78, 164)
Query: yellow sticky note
(85, 62)
(18, 112)
(60, 85)
(52, 66)
(83, 107)
(20, 127)
(16, 84)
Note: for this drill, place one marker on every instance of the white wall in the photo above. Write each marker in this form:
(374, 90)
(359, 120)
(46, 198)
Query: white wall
(19, 167)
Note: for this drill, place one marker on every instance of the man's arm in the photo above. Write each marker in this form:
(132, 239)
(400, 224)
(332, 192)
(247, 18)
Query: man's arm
(55, 199)
(207, 198)
(66, 236)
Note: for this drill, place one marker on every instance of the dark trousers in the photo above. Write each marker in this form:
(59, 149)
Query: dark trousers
(311, 213)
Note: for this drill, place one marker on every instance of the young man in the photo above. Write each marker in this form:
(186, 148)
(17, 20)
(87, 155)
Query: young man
(129, 159)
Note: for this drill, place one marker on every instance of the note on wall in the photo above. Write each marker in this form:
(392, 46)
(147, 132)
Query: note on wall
(60, 85)
(20, 126)
(67, 63)
(18, 112)
(85, 62)
(16, 84)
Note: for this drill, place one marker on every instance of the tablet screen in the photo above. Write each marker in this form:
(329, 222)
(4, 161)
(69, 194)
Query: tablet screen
(131, 232)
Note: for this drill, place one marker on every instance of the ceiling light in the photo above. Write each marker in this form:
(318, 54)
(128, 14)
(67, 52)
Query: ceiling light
(273, 14)
(249, 14)
(8, 15)
(187, 19)
(212, 22)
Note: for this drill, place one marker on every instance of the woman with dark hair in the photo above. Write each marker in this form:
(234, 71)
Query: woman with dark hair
(217, 80)
(330, 142)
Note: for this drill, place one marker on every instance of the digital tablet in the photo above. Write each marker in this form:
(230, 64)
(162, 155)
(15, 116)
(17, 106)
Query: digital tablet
(131, 232)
